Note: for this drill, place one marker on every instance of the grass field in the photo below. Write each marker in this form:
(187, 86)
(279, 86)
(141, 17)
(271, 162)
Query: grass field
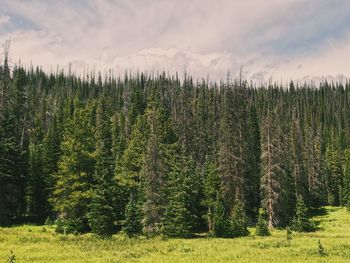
(41, 244)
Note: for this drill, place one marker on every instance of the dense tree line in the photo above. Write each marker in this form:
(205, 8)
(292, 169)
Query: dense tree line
(153, 154)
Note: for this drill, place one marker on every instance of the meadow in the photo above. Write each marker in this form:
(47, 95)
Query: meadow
(42, 244)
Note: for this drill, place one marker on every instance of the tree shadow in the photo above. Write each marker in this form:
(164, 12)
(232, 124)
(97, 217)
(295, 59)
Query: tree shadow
(319, 212)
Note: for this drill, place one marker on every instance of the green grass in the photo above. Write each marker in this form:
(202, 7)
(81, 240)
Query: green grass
(35, 244)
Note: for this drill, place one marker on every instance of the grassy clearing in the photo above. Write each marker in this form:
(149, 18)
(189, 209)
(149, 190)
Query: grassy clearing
(38, 244)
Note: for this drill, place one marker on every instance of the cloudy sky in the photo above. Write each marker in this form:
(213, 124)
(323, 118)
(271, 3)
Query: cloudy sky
(278, 39)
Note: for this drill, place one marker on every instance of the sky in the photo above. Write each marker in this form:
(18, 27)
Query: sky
(275, 40)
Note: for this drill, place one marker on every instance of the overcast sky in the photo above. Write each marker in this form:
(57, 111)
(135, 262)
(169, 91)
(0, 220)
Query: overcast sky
(282, 39)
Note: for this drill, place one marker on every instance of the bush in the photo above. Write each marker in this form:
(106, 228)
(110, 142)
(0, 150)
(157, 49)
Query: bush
(321, 250)
(12, 258)
(60, 227)
(74, 226)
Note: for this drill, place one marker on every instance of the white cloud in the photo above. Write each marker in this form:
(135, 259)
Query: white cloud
(4, 20)
(281, 39)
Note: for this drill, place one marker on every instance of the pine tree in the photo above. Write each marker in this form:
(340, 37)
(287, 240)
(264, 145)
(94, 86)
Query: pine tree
(314, 166)
(101, 215)
(346, 173)
(13, 158)
(334, 175)
(271, 171)
(132, 225)
(231, 156)
(239, 220)
(74, 179)
(52, 153)
(128, 169)
(211, 187)
(221, 221)
(253, 169)
(262, 227)
(181, 213)
(37, 190)
(155, 169)
(178, 220)
(301, 222)
(297, 160)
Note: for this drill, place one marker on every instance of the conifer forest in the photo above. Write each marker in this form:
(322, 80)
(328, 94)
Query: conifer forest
(158, 154)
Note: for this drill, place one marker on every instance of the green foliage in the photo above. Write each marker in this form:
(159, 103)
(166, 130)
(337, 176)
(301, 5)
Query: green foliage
(321, 250)
(346, 180)
(132, 225)
(221, 220)
(262, 227)
(180, 218)
(77, 147)
(12, 257)
(101, 215)
(301, 221)
(73, 187)
(334, 175)
(60, 226)
(239, 220)
(211, 186)
(128, 169)
(37, 190)
(253, 170)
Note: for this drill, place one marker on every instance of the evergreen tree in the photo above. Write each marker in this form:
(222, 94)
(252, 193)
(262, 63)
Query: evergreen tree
(221, 220)
(334, 175)
(101, 215)
(253, 167)
(271, 171)
(88, 143)
(74, 179)
(156, 166)
(13, 158)
(301, 222)
(132, 225)
(262, 227)
(51, 154)
(239, 220)
(154, 173)
(315, 170)
(231, 156)
(128, 170)
(346, 173)
(211, 186)
(297, 160)
(37, 190)
(181, 213)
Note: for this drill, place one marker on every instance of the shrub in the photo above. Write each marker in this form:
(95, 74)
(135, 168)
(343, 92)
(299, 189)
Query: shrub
(12, 258)
(321, 250)
(60, 227)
